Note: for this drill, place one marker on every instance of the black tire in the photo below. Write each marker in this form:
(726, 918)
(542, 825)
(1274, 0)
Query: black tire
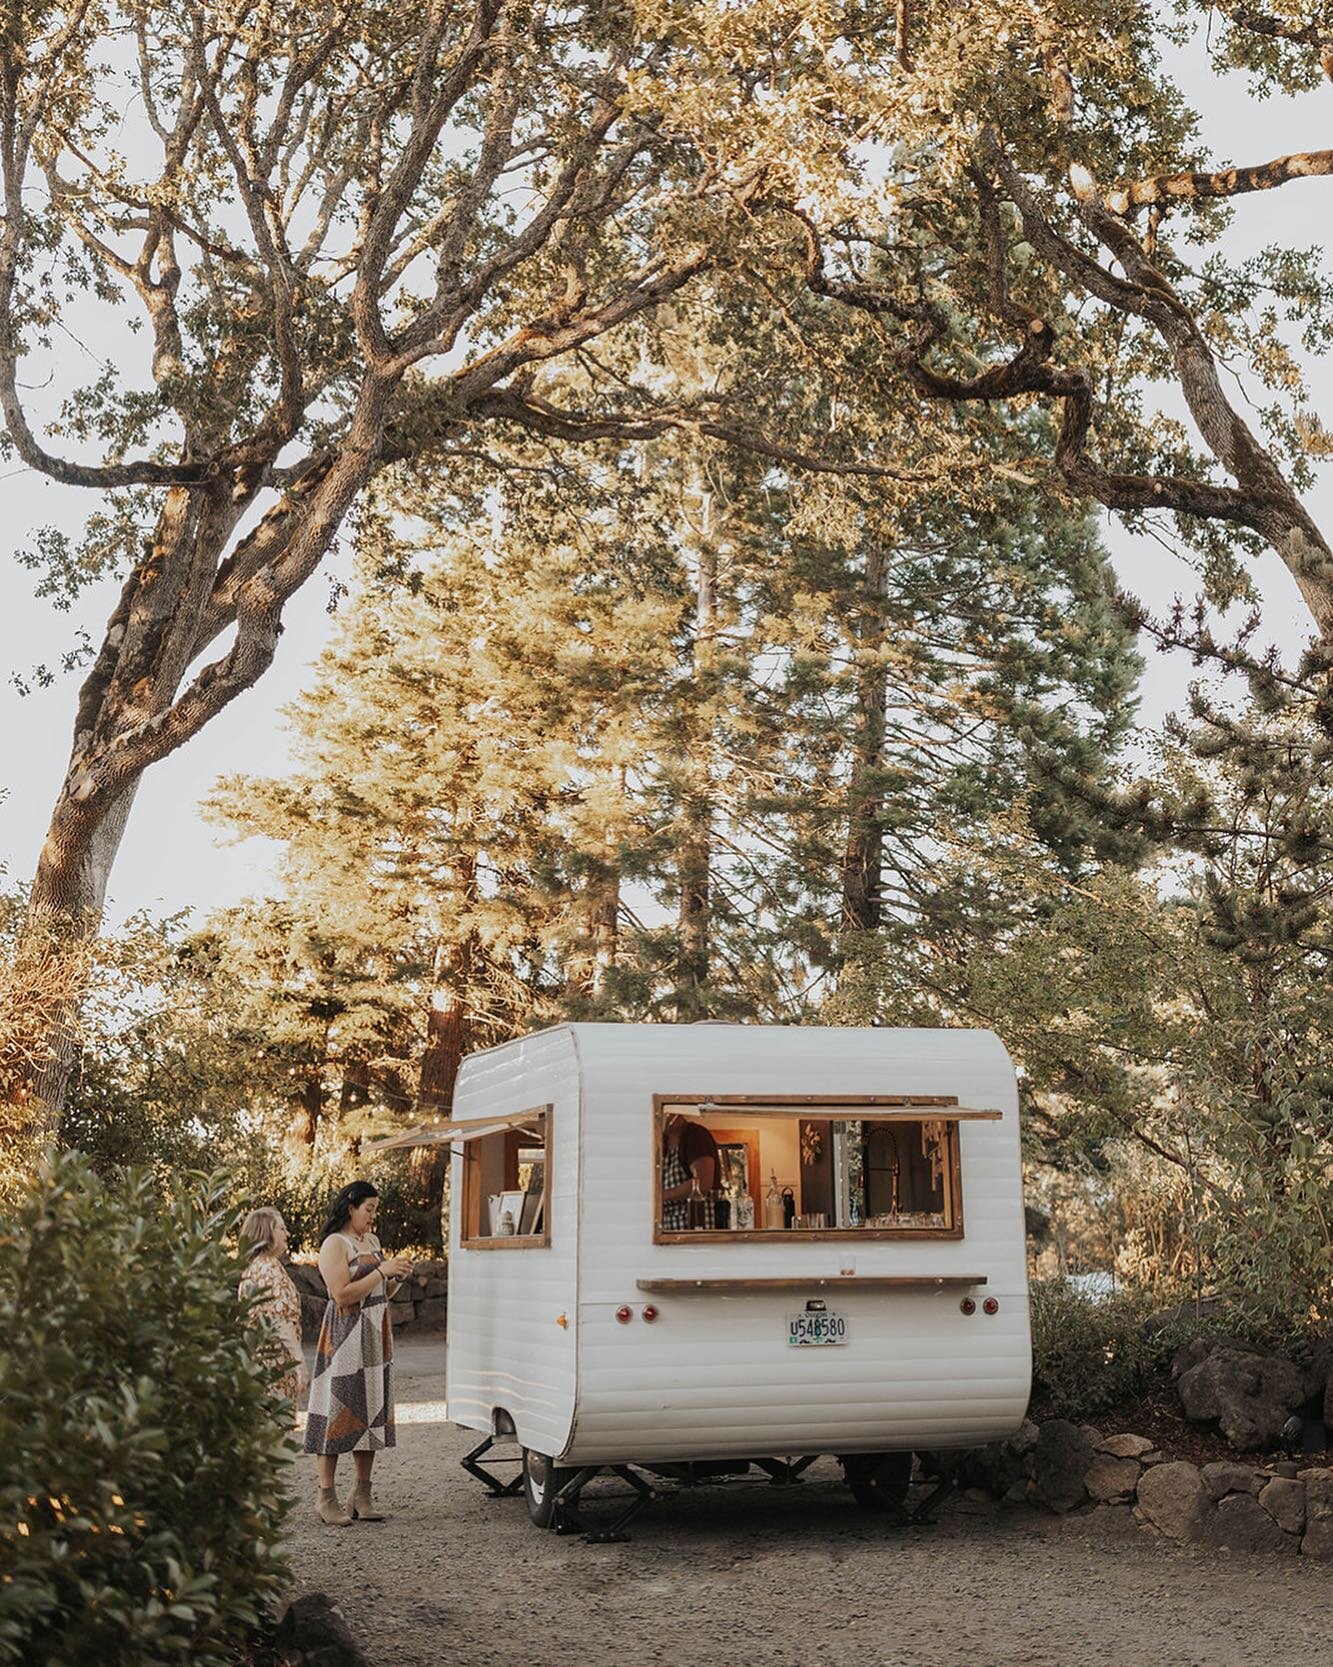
(542, 1480)
(878, 1480)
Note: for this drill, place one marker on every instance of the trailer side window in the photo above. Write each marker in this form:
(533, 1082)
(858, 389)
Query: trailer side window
(894, 1171)
(504, 1187)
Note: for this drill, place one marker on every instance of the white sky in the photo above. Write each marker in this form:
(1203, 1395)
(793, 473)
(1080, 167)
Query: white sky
(171, 860)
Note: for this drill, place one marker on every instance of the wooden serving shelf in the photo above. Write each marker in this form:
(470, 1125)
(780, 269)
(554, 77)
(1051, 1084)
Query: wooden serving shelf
(846, 1281)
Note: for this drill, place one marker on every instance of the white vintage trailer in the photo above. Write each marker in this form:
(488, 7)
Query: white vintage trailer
(593, 1335)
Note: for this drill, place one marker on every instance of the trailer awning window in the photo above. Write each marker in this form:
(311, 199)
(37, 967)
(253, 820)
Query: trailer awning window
(737, 1167)
(502, 1202)
(436, 1134)
(899, 1111)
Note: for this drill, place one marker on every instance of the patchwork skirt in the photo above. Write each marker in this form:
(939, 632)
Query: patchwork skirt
(351, 1388)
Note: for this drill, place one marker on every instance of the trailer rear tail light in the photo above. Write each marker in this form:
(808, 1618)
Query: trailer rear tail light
(649, 1312)
(991, 1305)
(624, 1313)
(968, 1306)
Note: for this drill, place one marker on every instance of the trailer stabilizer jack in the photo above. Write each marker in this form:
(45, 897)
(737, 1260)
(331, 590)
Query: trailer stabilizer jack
(571, 1519)
(918, 1515)
(785, 1473)
(495, 1486)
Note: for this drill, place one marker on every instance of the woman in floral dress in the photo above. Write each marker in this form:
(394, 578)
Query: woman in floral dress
(351, 1395)
(276, 1299)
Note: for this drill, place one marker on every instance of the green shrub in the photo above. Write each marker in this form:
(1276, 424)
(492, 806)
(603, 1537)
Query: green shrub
(142, 1458)
(402, 1224)
(1090, 1353)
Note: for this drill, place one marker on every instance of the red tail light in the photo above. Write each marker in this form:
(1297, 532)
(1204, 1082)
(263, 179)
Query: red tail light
(624, 1313)
(968, 1306)
(649, 1312)
(991, 1305)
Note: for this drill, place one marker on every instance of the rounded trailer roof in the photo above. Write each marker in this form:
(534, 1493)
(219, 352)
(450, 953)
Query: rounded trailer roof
(820, 1060)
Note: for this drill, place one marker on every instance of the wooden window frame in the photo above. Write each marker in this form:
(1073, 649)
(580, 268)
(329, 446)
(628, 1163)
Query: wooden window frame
(473, 1202)
(906, 1108)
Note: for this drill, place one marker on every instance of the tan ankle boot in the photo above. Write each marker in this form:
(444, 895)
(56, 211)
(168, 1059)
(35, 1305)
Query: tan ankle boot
(327, 1509)
(362, 1504)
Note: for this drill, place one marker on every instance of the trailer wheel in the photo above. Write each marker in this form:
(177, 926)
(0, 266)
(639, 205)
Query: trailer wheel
(878, 1480)
(542, 1480)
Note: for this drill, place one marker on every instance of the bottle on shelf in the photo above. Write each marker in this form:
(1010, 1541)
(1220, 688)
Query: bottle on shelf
(773, 1203)
(742, 1210)
(696, 1206)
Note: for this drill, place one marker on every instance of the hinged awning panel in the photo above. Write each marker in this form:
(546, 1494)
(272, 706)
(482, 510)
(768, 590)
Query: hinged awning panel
(472, 1128)
(839, 1111)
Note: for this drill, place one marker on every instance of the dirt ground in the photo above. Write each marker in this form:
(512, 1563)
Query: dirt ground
(750, 1576)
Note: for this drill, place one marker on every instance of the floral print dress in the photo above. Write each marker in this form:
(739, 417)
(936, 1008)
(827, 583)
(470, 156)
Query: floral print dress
(277, 1300)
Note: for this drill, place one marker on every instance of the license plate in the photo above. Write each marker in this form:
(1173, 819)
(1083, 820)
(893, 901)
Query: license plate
(806, 1330)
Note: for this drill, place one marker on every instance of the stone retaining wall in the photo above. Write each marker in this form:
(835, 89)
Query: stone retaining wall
(420, 1306)
(1060, 1466)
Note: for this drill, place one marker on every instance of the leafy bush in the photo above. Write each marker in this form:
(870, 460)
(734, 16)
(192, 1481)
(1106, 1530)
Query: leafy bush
(142, 1457)
(1090, 1353)
(400, 1225)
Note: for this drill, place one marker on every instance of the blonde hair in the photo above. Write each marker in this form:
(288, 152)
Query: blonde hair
(260, 1230)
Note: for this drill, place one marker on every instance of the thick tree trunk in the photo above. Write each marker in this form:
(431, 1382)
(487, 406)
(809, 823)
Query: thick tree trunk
(695, 903)
(65, 908)
(447, 1036)
(132, 709)
(448, 1039)
(599, 934)
(605, 928)
(356, 1085)
(863, 856)
(695, 851)
(303, 1129)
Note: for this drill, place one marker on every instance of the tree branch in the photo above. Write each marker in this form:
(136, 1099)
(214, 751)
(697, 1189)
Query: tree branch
(1276, 28)
(1124, 200)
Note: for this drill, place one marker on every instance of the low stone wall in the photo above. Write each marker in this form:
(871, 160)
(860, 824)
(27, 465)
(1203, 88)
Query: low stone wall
(1060, 1466)
(420, 1305)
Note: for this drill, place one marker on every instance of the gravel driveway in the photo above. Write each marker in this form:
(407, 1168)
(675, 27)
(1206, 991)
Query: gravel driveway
(753, 1577)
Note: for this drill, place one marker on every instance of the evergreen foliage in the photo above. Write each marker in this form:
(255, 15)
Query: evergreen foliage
(1174, 1025)
(601, 758)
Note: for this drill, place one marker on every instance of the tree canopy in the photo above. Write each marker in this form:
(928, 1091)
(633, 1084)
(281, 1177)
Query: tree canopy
(914, 250)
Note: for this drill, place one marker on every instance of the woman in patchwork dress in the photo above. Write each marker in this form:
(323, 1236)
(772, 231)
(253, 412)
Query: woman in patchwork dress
(351, 1395)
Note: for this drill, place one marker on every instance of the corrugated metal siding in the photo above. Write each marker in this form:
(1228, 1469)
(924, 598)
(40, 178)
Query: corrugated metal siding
(505, 1348)
(713, 1377)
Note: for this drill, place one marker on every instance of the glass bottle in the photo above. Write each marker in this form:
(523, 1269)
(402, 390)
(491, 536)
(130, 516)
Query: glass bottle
(742, 1210)
(696, 1206)
(773, 1203)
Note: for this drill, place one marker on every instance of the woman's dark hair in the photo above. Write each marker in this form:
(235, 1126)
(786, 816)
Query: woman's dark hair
(342, 1206)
